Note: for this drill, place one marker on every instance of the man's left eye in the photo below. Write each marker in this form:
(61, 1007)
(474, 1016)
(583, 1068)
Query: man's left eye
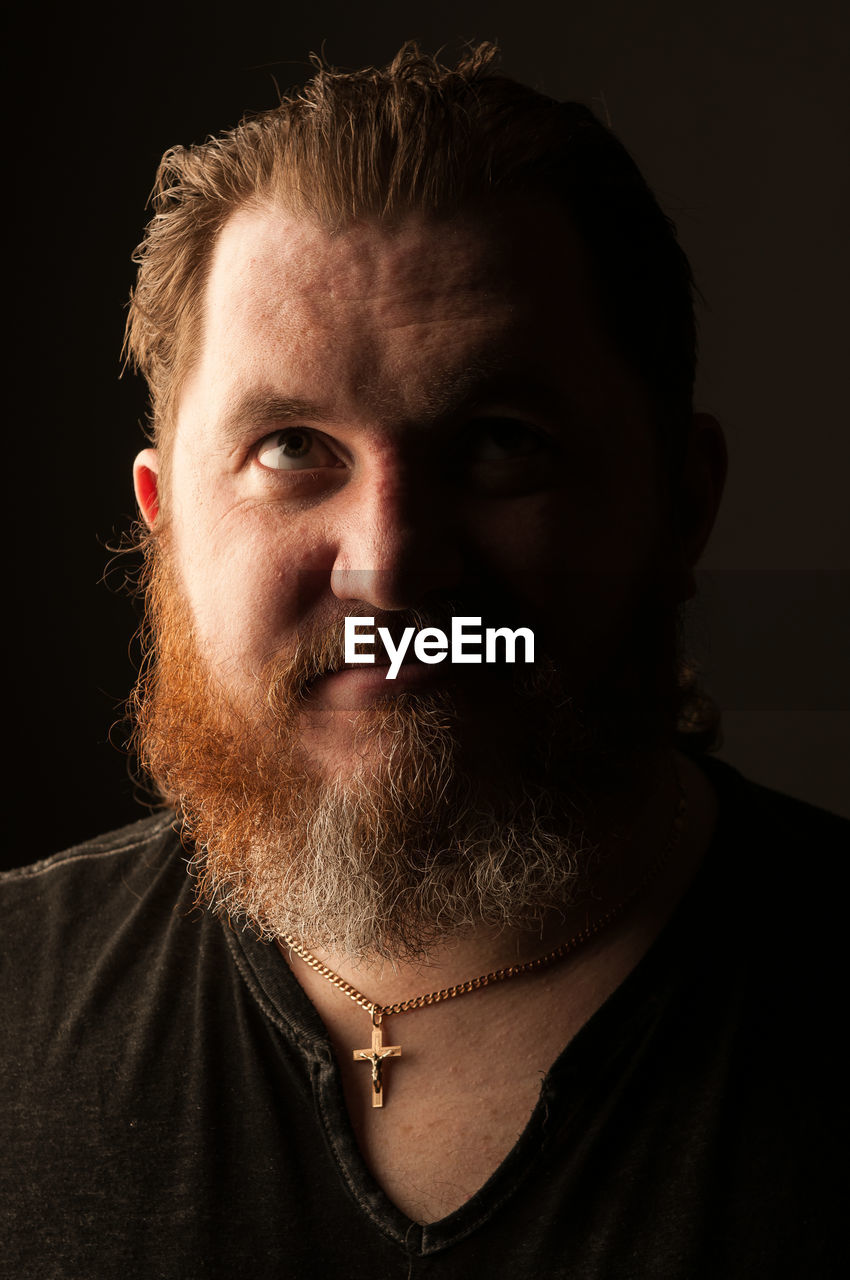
(295, 449)
(502, 439)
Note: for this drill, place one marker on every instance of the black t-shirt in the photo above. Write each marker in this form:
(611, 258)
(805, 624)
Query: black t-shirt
(172, 1108)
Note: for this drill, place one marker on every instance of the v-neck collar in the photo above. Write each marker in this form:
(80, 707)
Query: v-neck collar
(623, 1020)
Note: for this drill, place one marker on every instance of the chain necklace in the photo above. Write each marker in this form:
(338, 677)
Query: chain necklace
(379, 1052)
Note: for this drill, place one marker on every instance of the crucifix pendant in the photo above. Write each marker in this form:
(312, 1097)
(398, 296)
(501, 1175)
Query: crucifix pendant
(376, 1056)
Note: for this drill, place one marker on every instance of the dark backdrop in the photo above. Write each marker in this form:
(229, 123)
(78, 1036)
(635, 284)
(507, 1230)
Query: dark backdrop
(737, 114)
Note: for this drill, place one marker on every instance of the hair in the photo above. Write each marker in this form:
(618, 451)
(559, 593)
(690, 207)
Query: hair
(417, 136)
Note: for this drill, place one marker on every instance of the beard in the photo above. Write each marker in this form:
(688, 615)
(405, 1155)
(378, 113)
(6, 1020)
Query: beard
(479, 804)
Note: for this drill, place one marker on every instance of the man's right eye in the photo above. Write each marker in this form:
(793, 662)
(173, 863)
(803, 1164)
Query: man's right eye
(296, 449)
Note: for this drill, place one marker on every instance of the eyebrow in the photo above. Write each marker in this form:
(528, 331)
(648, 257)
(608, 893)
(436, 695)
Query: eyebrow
(444, 395)
(262, 408)
(483, 382)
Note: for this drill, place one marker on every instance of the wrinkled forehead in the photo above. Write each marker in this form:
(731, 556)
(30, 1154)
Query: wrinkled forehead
(267, 255)
(380, 304)
(469, 250)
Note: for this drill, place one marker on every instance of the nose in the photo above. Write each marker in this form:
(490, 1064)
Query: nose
(397, 545)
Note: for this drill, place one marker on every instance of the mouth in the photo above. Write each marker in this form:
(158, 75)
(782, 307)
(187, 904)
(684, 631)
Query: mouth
(351, 686)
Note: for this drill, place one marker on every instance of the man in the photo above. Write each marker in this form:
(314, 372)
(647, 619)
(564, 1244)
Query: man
(479, 966)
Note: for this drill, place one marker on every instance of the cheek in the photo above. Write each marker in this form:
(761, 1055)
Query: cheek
(574, 531)
(579, 566)
(244, 589)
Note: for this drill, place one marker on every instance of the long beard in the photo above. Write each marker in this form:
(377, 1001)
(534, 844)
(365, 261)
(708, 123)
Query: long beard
(454, 813)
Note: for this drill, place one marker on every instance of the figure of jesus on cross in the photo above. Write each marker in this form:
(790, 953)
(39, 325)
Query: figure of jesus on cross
(376, 1056)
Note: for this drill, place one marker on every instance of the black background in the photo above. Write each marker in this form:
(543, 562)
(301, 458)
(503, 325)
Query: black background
(737, 114)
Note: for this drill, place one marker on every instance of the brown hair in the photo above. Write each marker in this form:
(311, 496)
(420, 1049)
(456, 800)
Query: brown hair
(417, 136)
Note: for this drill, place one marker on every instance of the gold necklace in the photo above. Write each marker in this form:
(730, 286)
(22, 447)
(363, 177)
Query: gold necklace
(379, 1052)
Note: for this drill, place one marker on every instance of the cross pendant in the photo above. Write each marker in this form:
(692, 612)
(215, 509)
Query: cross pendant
(376, 1056)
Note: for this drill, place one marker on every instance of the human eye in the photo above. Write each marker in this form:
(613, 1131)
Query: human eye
(502, 439)
(296, 449)
(507, 456)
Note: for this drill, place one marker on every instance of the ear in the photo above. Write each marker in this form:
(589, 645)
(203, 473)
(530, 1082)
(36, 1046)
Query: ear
(146, 484)
(700, 490)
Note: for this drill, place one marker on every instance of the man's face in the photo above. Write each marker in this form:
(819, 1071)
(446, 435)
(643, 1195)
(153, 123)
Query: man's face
(386, 417)
(422, 417)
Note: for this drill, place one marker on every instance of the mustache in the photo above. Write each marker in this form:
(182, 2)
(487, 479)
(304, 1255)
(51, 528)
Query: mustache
(319, 648)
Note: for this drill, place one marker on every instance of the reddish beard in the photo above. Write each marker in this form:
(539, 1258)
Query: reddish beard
(461, 808)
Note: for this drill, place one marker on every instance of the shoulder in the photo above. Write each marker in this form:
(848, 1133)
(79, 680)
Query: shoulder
(771, 891)
(92, 938)
(138, 846)
(91, 887)
(135, 836)
(769, 821)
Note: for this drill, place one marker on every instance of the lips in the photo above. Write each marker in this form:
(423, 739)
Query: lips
(380, 661)
(355, 686)
(380, 665)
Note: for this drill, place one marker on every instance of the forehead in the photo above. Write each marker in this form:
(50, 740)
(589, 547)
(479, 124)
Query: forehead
(383, 320)
(268, 263)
